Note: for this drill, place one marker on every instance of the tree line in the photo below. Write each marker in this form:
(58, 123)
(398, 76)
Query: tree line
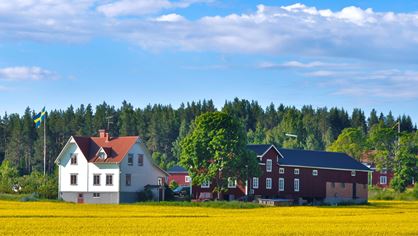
(163, 127)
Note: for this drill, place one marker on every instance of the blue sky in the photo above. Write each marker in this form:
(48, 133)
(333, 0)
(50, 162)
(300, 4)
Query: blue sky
(325, 53)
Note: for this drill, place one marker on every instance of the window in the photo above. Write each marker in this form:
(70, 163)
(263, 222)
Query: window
(281, 184)
(315, 172)
(96, 179)
(96, 195)
(353, 173)
(140, 159)
(255, 182)
(73, 179)
(281, 170)
(342, 185)
(268, 165)
(109, 179)
(205, 184)
(296, 185)
(130, 159)
(383, 179)
(296, 171)
(73, 159)
(160, 181)
(102, 155)
(268, 183)
(128, 180)
(187, 179)
(232, 183)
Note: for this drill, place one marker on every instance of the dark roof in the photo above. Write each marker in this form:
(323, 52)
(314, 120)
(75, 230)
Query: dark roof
(320, 159)
(259, 149)
(177, 169)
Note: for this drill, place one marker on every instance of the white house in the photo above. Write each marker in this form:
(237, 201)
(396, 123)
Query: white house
(107, 169)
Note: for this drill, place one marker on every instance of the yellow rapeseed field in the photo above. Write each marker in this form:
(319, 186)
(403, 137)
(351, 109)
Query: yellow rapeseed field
(53, 218)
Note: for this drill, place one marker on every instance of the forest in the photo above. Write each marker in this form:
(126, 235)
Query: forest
(162, 127)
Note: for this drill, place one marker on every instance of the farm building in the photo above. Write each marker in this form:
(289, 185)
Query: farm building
(180, 175)
(107, 169)
(311, 176)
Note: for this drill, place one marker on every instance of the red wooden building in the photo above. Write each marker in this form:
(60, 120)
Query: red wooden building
(180, 175)
(312, 176)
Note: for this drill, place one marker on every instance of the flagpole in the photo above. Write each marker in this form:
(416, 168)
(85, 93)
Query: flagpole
(45, 145)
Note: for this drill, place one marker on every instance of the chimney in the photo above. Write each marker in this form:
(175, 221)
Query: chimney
(104, 134)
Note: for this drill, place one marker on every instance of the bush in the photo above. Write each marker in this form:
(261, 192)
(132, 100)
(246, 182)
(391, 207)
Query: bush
(30, 198)
(173, 185)
(415, 191)
(145, 195)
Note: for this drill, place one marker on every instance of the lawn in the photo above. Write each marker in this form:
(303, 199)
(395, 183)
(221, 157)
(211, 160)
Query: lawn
(57, 218)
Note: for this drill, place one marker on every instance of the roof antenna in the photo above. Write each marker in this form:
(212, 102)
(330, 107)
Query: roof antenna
(108, 118)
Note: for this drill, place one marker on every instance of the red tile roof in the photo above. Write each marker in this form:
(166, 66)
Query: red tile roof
(116, 148)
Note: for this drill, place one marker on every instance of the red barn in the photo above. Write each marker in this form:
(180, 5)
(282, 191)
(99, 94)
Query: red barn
(180, 175)
(300, 175)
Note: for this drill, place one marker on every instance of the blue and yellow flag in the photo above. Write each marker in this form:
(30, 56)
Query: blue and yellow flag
(38, 118)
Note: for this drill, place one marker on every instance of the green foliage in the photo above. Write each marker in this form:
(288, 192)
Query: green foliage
(8, 177)
(215, 148)
(405, 163)
(209, 204)
(173, 185)
(351, 141)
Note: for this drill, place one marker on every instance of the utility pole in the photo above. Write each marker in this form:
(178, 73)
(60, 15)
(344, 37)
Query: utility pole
(109, 118)
(45, 145)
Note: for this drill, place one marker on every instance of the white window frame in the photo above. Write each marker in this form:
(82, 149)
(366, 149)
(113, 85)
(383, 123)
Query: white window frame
(296, 185)
(187, 179)
(353, 173)
(73, 156)
(130, 159)
(269, 165)
(383, 177)
(255, 182)
(160, 181)
(232, 183)
(94, 177)
(269, 180)
(296, 171)
(281, 184)
(140, 159)
(109, 177)
(205, 184)
(76, 179)
(314, 172)
(96, 195)
(281, 170)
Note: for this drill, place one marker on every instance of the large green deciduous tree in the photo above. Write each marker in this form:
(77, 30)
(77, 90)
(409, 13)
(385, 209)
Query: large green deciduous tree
(351, 141)
(405, 164)
(215, 149)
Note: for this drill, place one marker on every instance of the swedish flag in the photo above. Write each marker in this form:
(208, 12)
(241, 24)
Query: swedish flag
(38, 118)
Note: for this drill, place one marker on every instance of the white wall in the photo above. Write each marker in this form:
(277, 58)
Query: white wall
(85, 173)
(140, 175)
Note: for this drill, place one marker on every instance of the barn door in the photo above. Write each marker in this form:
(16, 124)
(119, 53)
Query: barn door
(80, 198)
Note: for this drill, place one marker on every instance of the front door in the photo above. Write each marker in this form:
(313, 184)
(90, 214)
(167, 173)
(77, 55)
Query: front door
(80, 198)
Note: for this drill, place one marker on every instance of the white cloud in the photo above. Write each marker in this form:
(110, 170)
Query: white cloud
(170, 18)
(301, 65)
(20, 73)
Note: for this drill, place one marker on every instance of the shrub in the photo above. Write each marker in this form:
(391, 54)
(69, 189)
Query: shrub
(173, 185)
(415, 191)
(145, 195)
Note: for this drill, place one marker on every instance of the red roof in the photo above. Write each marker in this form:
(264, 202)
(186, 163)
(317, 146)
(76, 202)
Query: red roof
(116, 148)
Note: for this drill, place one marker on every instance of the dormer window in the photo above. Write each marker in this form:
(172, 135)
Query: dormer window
(102, 155)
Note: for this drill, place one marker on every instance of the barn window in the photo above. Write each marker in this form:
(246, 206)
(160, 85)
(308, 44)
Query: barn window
(73, 158)
(281, 184)
(296, 171)
(255, 182)
(296, 185)
(268, 183)
(140, 159)
(315, 172)
(96, 179)
(269, 164)
(96, 195)
(353, 173)
(130, 159)
(128, 180)
(73, 179)
(232, 183)
(205, 184)
(383, 179)
(109, 179)
(281, 170)
(187, 179)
